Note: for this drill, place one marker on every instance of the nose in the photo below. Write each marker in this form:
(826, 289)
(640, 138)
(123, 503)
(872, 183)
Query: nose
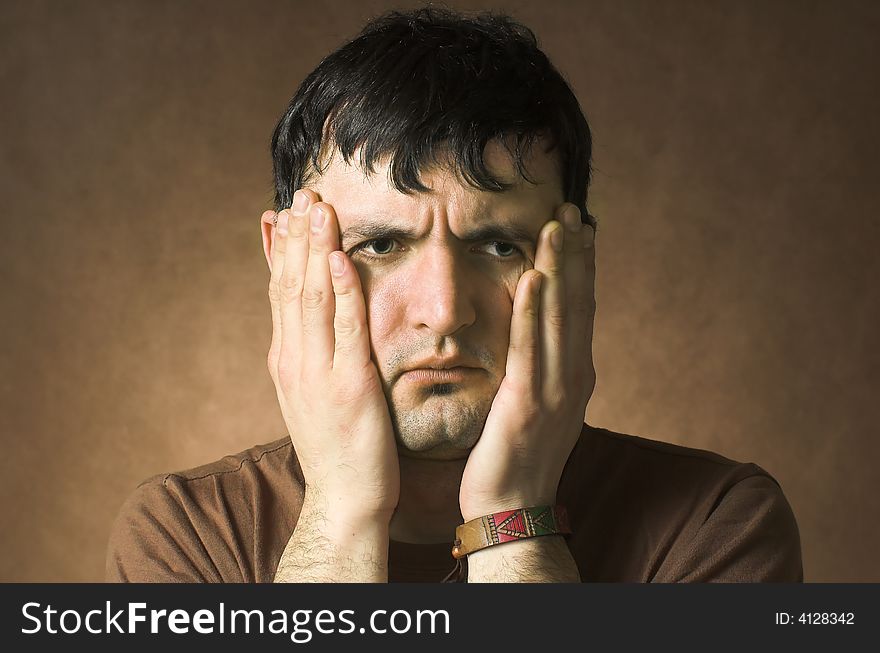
(440, 297)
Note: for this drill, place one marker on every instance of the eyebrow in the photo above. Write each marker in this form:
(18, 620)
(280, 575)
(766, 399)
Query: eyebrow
(370, 229)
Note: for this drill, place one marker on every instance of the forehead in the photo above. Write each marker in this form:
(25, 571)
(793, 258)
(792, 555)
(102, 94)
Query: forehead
(355, 193)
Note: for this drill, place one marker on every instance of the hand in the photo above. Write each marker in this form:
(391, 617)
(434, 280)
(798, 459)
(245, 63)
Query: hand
(328, 388)
(538, 411)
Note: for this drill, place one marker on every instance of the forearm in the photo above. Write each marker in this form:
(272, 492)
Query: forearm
(334, 546)
(543, 559)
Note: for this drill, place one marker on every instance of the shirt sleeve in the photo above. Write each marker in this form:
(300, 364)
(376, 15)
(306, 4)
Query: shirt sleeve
(749, 536)
(153, 540)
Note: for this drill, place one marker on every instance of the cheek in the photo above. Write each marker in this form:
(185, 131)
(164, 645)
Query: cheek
(384, 299)
(496, 309)
(509, 280)
(503, 286)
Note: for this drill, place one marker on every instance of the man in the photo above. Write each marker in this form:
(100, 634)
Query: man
(431, 282)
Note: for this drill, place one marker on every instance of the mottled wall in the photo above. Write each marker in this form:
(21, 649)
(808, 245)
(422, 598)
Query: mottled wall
(736, 185)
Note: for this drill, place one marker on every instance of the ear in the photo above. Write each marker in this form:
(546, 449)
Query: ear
(267, 230)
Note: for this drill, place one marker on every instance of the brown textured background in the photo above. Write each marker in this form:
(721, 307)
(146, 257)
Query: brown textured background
(737, 190)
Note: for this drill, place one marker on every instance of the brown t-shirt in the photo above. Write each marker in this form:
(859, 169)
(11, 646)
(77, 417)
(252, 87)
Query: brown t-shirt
(640, 511)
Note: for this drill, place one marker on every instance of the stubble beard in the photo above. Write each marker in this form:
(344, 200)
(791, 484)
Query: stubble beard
(442, 427)
(445, 420)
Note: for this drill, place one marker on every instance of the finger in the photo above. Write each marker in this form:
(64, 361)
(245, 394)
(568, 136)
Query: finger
(589, 368)
(549, 262)
(575, 282)
(318, 301)
(276, 267)
(292, 236)
(524, 353)
(267, 232)
(352, 342)
(589, 291)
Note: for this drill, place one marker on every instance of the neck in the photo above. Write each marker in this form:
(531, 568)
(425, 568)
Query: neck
(427, 511)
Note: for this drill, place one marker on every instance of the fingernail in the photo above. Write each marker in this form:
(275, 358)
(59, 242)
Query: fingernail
(337, 265)
(572, 218)
(556, 238)
(317, 220)
(300, 202)
(282, 223)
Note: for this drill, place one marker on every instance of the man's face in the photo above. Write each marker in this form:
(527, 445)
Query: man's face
(439, 271)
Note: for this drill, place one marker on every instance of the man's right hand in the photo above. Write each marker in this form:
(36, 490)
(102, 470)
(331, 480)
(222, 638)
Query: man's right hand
(328, 388)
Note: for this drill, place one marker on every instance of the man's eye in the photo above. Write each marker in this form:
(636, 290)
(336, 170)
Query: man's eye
(377, 246)
(502, 249)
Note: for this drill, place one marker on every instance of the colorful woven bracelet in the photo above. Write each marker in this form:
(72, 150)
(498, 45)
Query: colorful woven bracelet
(509, 526)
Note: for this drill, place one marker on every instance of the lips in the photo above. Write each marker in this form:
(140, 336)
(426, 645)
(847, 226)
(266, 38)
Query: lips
(456, 374)
(437, 363)
(437, 370)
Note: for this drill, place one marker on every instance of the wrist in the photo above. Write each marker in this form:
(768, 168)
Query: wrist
(475, 508)
(343, 519)
(340, 505)
(334, 546)
(344, 526)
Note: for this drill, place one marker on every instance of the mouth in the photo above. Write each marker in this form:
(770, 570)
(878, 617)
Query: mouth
(432, 375)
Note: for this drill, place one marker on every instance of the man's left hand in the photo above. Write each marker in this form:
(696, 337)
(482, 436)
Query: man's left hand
(538, 411)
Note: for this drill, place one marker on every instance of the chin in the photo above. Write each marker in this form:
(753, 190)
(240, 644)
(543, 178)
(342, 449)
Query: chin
(443, 426)
(441, 452)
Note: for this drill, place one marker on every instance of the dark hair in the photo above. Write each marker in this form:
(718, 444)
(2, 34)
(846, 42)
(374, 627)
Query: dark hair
(419, 84)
